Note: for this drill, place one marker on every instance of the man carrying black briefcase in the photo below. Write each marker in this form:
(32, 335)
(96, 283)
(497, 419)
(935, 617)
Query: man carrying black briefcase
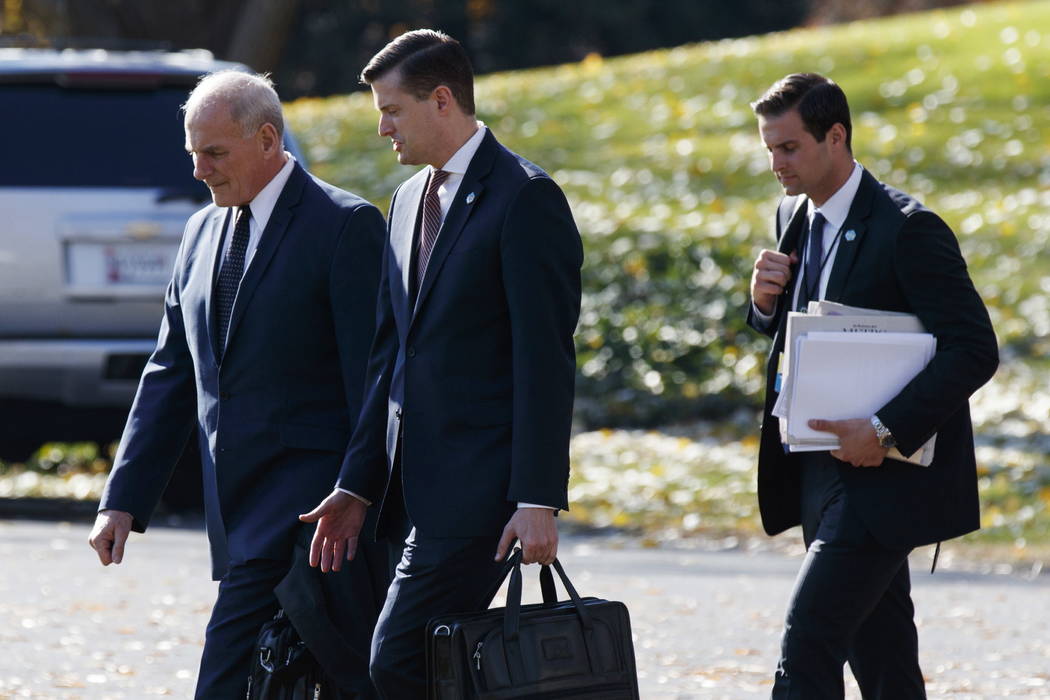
(580, 648)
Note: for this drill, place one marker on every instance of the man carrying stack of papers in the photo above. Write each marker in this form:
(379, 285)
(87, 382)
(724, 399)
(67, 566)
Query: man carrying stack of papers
(843, 362)
(845, 386)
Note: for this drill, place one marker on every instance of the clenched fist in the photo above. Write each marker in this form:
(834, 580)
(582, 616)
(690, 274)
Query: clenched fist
(109, 535)
(770, 278)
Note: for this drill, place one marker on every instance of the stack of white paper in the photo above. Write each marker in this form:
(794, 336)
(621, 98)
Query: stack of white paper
(833, 308)
(843, 362)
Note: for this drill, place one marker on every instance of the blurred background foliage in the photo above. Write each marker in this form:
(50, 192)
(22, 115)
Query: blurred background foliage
(660, 158)
(331, 42)
(318, 47)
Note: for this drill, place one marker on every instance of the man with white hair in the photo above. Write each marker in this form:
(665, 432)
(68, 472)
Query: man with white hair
(263, 344)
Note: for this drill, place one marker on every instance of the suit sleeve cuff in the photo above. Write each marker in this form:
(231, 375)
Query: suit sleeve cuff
(763, 319)
(351, 493)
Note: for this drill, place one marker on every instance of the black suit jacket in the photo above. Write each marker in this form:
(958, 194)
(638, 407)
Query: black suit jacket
(274, 418)
(477, 377)
(903, 258)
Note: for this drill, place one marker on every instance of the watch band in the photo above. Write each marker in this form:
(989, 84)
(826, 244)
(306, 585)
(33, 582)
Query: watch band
(883, 433)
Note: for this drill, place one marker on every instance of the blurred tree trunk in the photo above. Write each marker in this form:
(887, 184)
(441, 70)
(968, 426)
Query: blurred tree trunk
(261, 33)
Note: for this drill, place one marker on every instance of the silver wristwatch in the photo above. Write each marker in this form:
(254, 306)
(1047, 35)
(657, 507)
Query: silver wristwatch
(883, 433)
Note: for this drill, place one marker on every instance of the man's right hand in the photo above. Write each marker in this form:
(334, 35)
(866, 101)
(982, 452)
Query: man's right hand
(770, 278)
(109, 535)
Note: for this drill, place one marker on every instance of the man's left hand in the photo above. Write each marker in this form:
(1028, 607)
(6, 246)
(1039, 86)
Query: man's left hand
(858, 443)
(537, 530)
(339, 519)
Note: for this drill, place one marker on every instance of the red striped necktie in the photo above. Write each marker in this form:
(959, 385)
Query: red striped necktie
(431, 222)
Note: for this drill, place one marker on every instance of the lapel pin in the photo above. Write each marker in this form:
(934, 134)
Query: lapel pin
(470, 198)
(850, 235)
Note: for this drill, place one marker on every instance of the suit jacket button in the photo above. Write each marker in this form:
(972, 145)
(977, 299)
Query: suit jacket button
(224, 395)
(411, 352)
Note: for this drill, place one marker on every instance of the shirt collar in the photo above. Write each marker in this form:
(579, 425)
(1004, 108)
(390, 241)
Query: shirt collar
(264, 202)
(460, 160)
(836, 209)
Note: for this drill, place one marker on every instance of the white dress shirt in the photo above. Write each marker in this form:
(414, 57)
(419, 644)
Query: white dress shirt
(262, 208)
(456, 167)
(835, 211)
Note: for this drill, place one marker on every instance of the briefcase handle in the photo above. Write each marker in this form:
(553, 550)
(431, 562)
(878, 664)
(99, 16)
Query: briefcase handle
(550, 594)
(512, 618)
(512, 613)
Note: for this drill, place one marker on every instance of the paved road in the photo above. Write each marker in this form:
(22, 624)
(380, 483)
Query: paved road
(706, 623)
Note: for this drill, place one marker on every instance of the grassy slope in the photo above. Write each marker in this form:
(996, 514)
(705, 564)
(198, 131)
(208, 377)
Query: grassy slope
(950, 105)
(660, 150)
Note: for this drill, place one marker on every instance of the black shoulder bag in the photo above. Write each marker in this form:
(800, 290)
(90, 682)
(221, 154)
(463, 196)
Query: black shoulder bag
(283, 668)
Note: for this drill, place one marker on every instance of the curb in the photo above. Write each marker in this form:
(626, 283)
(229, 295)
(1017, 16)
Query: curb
(67, 509)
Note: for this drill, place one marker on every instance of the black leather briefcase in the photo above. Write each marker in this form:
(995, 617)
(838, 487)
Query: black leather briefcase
(580, 648)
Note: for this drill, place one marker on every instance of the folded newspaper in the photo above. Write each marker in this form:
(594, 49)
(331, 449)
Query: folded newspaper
(844, 362)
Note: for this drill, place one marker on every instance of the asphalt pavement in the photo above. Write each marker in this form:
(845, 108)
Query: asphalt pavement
(706, 620)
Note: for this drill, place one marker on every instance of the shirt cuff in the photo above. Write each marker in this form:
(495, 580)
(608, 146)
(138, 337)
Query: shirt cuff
(534, 505)
(351, 493)
(763, 318)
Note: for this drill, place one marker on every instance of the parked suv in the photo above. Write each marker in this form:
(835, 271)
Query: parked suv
(94, 191)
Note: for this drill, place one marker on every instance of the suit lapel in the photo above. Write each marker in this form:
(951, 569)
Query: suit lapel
(217, 225)
(793, 212)
(796, 224)
(467, 197)
(269, 241)
(851, 237)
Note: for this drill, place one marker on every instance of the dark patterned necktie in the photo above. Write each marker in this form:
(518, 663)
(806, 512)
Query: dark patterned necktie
(230, 276)
(431, 223)
(814, 260)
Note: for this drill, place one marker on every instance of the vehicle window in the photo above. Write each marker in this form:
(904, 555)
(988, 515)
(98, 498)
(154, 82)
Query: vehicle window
(95, 138)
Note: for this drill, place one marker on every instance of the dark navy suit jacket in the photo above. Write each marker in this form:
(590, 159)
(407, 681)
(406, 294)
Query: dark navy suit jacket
(274, 418)
(903, 257)
(477, 377)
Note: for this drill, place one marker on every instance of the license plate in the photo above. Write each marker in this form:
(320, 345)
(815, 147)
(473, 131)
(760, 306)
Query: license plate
(108, 265)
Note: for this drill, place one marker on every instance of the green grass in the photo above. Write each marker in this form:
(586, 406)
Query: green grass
(661, 160)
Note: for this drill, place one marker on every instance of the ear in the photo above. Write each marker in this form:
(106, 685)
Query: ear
(443, 97)
(837, 134)
(268, 138)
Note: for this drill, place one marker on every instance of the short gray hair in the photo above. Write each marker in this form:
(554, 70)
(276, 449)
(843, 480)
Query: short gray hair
(252, 99)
